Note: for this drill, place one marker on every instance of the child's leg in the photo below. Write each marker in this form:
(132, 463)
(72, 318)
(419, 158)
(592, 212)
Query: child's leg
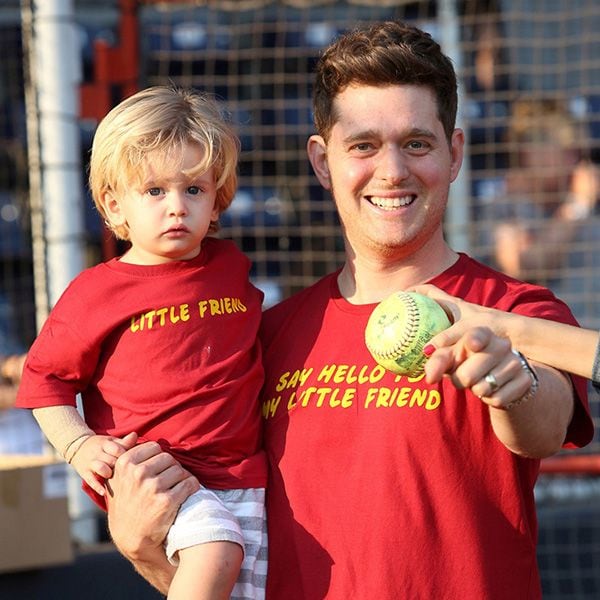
(207, 571)
(248, 505)
(207, 545)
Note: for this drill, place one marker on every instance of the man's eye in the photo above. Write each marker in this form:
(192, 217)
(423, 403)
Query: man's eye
(417, 145)
(362, 147)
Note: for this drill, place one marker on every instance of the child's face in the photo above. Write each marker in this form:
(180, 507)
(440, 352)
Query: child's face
(169, 213)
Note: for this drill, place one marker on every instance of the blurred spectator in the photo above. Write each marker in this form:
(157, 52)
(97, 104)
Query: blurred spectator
(19, 432)
(491, 87)
(11, 368)
(546, 228)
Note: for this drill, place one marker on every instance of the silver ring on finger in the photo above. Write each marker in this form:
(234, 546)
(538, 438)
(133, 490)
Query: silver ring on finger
(491, 380)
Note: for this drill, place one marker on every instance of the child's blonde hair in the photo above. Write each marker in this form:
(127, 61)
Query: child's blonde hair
(160, 121)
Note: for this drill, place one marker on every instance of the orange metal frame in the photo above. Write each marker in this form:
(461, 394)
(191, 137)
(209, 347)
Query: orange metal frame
(115, 76)
(114, 66)
(570, 465)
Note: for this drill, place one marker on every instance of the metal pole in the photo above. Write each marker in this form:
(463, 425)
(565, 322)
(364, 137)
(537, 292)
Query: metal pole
(38, 239)
(54, 75)
(457, 213)
(58, 75)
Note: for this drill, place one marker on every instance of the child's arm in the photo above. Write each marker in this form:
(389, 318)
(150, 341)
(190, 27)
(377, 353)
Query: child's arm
(91, 455)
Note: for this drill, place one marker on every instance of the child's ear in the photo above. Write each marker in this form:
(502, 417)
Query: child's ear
(112, 208)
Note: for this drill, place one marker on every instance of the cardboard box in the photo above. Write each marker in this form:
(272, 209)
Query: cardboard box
(34, 515)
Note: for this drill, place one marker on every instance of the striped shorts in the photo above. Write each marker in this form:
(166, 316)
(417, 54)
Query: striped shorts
(226, 515)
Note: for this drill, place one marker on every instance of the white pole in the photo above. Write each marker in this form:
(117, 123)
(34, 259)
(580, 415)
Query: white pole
(55, 73)
(58, 75)
(457, 214)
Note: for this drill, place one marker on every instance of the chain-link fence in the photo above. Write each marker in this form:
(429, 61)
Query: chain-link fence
(530, 104)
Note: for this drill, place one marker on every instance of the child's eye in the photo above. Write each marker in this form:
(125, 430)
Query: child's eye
(154, 191)
(193, 190)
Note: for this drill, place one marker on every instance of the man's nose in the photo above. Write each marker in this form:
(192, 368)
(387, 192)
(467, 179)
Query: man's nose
(393, 166)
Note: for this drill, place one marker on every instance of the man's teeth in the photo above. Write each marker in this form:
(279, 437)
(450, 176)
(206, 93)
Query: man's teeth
(391, 202)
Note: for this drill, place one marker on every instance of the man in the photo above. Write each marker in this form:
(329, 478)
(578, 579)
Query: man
(382, 486)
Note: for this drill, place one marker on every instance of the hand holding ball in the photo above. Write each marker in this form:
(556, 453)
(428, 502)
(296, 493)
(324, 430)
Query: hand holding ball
(400, 327)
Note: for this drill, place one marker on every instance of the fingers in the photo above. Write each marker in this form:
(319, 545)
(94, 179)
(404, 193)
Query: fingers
(103, 460)
(451, 348)
(148, 467)
(515, 383)
(428, 289)
(484, 363)
(186, 485)
(481, 352)
(94, 460)
(114, 447)
(140, 453)
(489, 358)
(95, 484)
(128, 441)
(95, 476)
(144, 495)
(494, 377)
(439, 364)
(101, 468)
(453, 334)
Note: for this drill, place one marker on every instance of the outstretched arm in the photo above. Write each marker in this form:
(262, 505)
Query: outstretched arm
(558, 345)
(144, 495)
(529, 417)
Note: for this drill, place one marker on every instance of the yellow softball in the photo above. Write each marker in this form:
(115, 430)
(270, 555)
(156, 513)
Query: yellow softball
(400, 327)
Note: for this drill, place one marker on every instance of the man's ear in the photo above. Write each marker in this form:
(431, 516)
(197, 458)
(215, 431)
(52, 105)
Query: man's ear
(317, 154)
(112, 208)
(457, 146)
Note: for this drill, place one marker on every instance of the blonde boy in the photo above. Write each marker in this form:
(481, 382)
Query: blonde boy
(162, 341)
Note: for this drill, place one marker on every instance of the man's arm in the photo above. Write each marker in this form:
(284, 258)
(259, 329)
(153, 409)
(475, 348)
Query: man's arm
(531, 425)
(537, 428)
(144, 495)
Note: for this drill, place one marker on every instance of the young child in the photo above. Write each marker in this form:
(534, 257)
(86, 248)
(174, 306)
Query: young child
(162, 341)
